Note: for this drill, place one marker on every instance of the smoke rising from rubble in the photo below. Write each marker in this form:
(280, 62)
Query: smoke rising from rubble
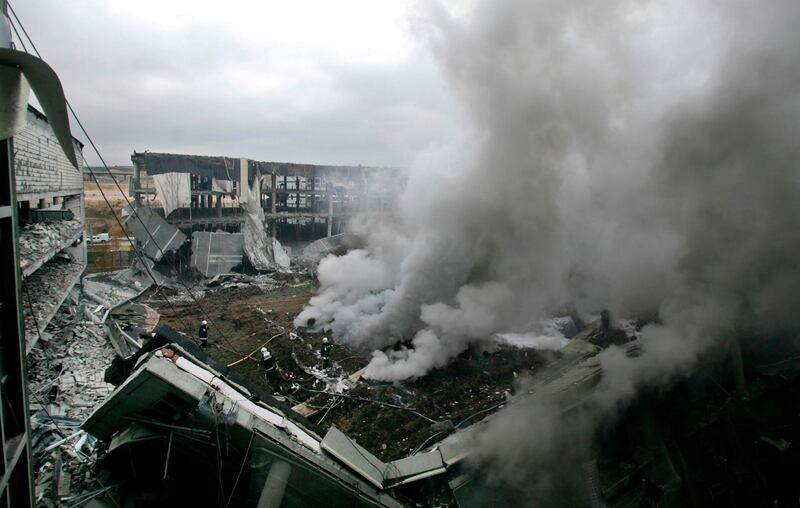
(632, 156)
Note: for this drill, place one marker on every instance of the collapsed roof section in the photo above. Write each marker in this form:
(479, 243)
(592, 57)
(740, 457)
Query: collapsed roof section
(156, 235)
(173, 388)
(220, 168)
(229, 168)
(175, 396)
(383, 475)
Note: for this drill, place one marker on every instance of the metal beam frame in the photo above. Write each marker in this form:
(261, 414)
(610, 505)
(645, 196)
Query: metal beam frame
(16, 476)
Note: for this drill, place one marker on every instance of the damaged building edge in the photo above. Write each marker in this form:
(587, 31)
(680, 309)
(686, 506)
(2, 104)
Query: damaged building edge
(32, 333)
(51, 212)
(212, 253)
(262, 200)
(28, 266)
(259, 200)
(168, 367)
(39, 164)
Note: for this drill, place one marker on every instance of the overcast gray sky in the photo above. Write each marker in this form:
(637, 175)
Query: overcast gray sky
(337, 82)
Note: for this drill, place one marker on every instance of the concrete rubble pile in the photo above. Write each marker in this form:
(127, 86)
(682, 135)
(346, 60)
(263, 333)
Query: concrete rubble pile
(237, 280)
(39, 240)
(112, 288)
(191, 292)
(128, 324)
(66, 384)
(69, 362)
(45, 290)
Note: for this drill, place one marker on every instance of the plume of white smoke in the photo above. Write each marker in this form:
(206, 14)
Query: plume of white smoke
(622, 154)
(627, 155)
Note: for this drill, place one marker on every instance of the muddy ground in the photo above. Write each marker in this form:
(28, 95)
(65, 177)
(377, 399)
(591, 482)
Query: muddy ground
(390, 420)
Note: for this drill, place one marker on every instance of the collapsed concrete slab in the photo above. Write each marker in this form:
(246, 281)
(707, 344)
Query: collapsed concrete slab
(214, 436)
(113, 289)
(257, 245)
(382, 475)
(217, 252)
(45, 290)
(156, 235)
(40, 241)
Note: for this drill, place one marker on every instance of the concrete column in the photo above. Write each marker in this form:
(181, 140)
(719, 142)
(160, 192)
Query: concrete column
(219, 205)
(275, 486)
(136, 185)
(362, 197)
(24, 210)
(244, 189)
(311, 196)
(329, 193)
(274, 196)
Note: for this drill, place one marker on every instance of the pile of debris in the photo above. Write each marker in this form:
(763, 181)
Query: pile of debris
(390, 420)
(39, 241)
(113, 288)
(45, 290)
(66, 384)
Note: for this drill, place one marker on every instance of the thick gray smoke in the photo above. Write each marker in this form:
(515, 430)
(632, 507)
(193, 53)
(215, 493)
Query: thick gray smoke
(694, 186)
(623, 155)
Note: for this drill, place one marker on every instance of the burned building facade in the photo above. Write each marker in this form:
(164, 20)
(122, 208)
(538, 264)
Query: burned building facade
(235, 211)
(41, 218)
(50, 206)
(300, 201)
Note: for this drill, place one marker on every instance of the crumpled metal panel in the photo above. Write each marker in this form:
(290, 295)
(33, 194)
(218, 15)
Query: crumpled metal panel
(217, 252)
(47, 87)
(162, 237)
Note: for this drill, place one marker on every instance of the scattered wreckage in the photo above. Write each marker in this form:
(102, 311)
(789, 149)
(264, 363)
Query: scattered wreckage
(181, 427)
(178, 416)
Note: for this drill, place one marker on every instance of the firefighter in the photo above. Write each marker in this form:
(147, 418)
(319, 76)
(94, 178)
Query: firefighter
(325, 353)
(267, 362)
(203, 333)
